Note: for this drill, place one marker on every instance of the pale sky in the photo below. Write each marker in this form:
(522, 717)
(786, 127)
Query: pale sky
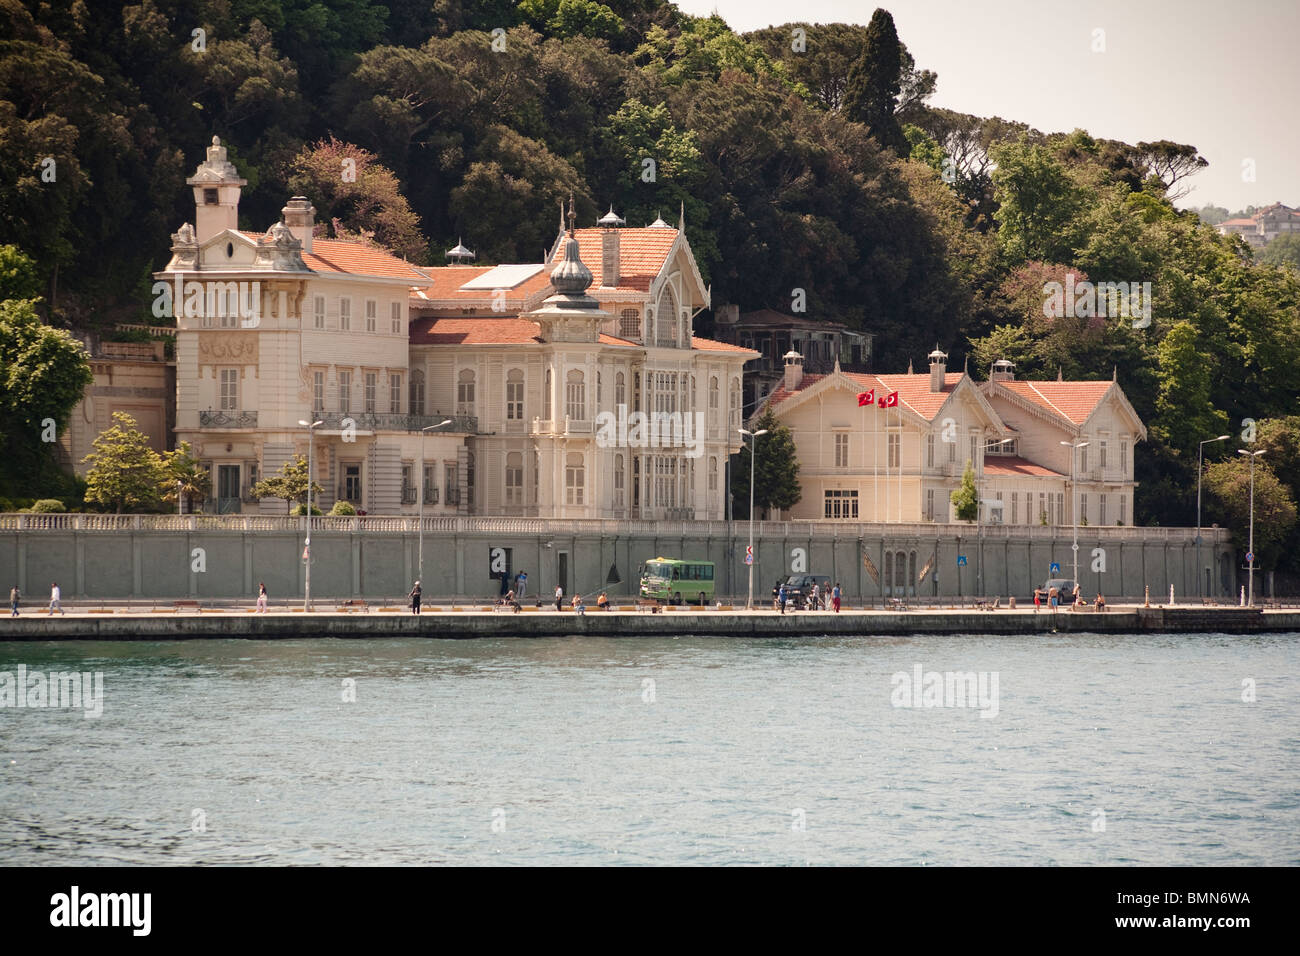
(1221, 75)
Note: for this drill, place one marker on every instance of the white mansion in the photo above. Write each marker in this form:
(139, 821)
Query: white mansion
(512, 365)
(901, 463)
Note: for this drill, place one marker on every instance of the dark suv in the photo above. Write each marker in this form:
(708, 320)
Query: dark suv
(799, 586)
(1064, 590)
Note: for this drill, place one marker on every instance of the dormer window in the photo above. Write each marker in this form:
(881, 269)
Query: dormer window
(210, 196)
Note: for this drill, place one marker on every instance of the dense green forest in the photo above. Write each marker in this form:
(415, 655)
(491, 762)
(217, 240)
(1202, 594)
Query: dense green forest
(806, 157)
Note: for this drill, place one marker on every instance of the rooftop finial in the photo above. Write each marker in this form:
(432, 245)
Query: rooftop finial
(572, 215)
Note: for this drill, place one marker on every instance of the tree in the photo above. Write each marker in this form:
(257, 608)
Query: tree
(18, 276)
(368, 203)
(1227, 485)
(1185, 404)
(966, 498)
(125, 473)
(1284, 251)
(1169, 162)
(290, 483)
(185, 477)
(1037, 203)
(776, 470)
(873, 86)
(43, 375)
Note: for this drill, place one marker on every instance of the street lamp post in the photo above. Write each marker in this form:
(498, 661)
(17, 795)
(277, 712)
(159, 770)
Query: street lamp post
(753, 454)
(311, 434)
(419, 572)
(1250, 546)
(1200, 456)
(1074, 502)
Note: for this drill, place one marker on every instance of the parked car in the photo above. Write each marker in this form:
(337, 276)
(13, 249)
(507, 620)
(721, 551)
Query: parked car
(799, 586)
(1064, 588)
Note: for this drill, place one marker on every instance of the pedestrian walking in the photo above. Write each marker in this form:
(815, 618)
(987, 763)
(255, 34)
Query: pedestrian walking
(559, 598)
(415, 598)
(521, 584)
(261, 597)
(815, 604)
(781, 598)
(835, 597)
(14, 597)
(1038, 599)
(56, 599)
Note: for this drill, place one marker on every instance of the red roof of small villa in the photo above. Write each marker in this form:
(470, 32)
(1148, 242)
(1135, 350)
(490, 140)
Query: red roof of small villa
(346, 257)
(913, 390)
(1074, 401)
(642, 253)
(1011, 466)
(513, 330)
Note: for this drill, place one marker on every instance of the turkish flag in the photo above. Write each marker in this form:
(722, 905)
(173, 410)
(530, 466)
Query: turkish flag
(890, 400)
(866, 398)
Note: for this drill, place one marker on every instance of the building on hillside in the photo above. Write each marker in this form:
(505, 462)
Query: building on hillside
(774, 334)
(483, 390)
(900, 463)
(1264, 226)
(132, 377)
(558, 361)
(283, 327)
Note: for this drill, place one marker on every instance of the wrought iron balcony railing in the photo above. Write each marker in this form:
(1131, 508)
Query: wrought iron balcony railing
(213, 418)
(375, 421)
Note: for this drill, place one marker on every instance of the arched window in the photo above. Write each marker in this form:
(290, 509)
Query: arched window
(575, 478)
(735, 403)
(465, 392)
(713, 394)
(666, 326)
(575, 396)
(713, 473)
(620, 390)
(600, 397)
(515, 395)
(620, 480)
(514, 478)
(546, 395)
(417, 391)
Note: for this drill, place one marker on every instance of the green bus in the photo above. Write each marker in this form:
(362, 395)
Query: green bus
(671, 579)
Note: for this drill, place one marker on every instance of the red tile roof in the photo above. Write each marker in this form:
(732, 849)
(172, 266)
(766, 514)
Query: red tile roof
(1011, 466)
(641, 255)
(1238, 222)
(1074, 401)
(913, 390)
(447, 282)
(343, 257)
(711, 345)
(511, 331)
(475, 332)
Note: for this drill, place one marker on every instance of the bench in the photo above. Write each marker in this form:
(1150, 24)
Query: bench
(649, 604)
(353, 604)
(179, 606)
(513, 606)
(895, 604)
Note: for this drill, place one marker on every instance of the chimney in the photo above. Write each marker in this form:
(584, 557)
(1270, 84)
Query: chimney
(793, 370)
(300, 216)
(1004, 370)
(938, 368)
(609, 251)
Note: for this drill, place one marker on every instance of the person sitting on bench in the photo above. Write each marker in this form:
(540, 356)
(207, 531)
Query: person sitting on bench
(602, 602)
(1100, 604)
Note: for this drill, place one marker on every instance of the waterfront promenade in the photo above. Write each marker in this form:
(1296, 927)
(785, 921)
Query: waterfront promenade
(484, 621)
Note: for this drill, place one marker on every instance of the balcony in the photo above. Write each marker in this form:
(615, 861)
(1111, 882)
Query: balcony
(409, 497)
(373, 421)
(211, 418)
(453, 496)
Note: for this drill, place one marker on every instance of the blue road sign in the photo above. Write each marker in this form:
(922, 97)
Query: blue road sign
(961, 560)
(749, 559)
(1054, 569)
(1250, 557)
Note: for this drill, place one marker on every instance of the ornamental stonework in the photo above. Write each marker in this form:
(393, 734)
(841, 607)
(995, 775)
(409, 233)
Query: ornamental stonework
(225, 348)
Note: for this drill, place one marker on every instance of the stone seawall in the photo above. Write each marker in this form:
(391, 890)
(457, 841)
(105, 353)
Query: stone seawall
(870, 561)
(158, 627)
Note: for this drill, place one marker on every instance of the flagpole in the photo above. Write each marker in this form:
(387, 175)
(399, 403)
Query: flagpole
(875, 468)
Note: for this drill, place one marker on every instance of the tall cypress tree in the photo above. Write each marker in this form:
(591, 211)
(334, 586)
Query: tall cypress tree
(871, 91)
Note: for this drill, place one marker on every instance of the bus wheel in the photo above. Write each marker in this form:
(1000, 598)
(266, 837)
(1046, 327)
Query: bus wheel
(677, 598)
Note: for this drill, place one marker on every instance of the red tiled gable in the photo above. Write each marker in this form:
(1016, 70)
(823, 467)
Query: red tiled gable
(1073, 401)
(475, 332)
(913, 390)
(1237, 222)
(641, 254)
(342, 257)
(1012, 467)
